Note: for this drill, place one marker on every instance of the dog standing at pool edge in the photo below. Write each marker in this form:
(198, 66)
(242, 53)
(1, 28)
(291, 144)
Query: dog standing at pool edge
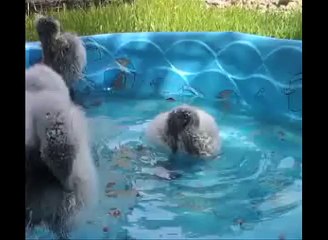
(61, 178)
(63, 52)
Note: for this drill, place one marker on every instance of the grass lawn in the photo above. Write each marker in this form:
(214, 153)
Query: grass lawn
(174, 15)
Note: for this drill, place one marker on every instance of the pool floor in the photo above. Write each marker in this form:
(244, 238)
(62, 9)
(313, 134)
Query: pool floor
(253, 191)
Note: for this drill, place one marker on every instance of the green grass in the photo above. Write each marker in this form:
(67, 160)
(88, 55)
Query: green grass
(174, 15)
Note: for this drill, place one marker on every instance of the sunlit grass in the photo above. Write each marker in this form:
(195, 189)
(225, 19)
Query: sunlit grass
(174, 15)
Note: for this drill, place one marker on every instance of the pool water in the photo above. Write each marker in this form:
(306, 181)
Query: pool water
(252, 190)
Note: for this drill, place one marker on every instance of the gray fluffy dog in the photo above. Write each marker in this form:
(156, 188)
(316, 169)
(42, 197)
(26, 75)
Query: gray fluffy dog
(63, 52)
(185, 129)
(61, 178)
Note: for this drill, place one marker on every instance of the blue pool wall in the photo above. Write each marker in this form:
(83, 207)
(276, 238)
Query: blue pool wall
(263, 73)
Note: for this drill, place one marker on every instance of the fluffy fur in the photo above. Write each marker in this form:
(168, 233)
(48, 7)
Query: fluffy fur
(185, 129)
(63, 52)
(40, 77)
(61, 177)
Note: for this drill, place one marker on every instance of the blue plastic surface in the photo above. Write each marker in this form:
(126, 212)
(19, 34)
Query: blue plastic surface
(264, 73)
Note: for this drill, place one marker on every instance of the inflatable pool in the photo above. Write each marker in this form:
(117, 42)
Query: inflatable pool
(253, 87)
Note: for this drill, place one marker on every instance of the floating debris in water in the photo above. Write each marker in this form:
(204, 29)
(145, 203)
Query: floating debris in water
(281, 135)
(225, 99)
(110, 185)
(115, 212)
(170, 99)
(225, 94)
(239, 221)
